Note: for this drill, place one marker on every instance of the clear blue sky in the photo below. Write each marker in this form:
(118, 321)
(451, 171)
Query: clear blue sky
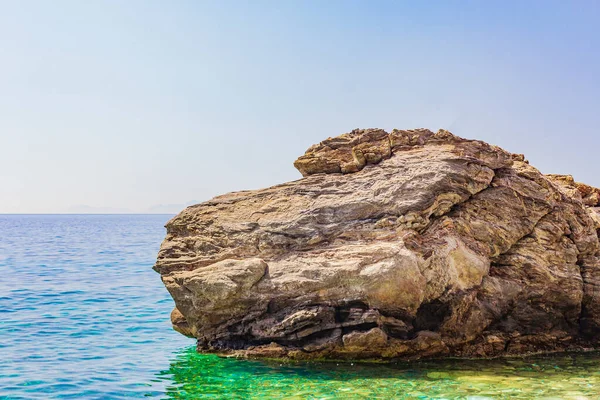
(123, 105)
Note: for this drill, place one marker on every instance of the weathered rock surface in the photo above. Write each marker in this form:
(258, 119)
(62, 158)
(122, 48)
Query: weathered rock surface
(395, 245)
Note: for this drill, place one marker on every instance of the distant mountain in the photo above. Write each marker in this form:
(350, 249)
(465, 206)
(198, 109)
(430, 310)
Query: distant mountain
(169, 208)
(156, 209)
(85, 209)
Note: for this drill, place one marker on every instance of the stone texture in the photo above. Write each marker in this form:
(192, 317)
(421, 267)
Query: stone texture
(404, 245)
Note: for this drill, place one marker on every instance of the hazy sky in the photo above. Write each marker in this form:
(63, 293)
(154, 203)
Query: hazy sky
(129, 104)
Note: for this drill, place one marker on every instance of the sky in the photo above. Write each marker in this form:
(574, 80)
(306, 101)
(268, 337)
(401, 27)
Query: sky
(147, 106)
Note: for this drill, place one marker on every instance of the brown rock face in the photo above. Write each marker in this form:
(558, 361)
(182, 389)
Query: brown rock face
(398, 245)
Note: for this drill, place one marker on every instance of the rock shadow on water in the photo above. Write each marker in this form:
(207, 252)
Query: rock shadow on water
(566, 376)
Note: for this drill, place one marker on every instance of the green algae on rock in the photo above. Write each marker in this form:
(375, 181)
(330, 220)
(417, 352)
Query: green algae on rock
(401, 245)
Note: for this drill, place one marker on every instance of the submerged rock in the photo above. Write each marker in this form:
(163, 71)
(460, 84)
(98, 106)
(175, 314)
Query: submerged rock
(398, 245)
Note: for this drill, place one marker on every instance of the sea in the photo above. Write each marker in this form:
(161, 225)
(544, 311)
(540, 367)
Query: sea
(84, 316)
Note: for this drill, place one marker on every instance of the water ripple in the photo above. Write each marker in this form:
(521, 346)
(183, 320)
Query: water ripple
(83, 315)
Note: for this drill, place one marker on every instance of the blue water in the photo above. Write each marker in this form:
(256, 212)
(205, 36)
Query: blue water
(83, 315)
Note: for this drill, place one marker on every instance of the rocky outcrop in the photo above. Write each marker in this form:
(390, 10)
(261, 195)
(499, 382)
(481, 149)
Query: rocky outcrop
(398, 245)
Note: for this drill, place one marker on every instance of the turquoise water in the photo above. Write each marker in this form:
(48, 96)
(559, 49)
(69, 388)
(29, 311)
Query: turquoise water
(83, 315)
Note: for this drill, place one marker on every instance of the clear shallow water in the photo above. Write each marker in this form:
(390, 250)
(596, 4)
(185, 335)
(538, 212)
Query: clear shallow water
(83, 315)
(192, 375)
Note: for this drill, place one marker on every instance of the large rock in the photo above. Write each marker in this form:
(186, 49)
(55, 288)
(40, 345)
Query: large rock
(402, 245)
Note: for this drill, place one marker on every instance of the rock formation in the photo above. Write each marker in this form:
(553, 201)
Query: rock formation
(398, 245)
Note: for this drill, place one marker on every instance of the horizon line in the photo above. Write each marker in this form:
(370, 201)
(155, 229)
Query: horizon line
(59, 213)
